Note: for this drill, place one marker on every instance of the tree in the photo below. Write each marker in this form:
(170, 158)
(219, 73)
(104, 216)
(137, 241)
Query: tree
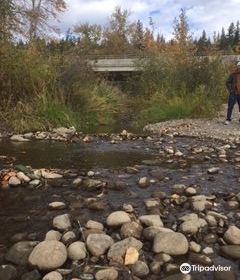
(117, 34)
(181, 32)
(223, 42)
(237, 34)
(231, 35)
(137, 36)
(37, 15)
(203, 44)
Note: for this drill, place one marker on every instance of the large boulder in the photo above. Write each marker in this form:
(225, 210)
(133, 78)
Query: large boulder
(118, 218)
(98, 244)
(19, 252)
(172, 243)
(48, 255)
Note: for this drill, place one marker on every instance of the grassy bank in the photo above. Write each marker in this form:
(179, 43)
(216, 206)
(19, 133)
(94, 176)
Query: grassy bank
(41, 91)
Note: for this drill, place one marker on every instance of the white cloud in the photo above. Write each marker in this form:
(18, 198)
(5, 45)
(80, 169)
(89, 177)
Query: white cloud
(210, 15)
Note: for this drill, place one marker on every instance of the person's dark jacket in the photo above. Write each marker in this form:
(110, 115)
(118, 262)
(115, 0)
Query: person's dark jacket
(231, 82)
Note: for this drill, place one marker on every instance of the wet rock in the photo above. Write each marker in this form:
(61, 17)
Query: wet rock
(118, 185)
(131, 170)
(94, 204)
(35, 183)
(194, 247)
(48, 255)
(172, 243)
(65, 132)
(77, 182)
(91, 173)
(224, 275)
(57, 205)
(54, 275)
(191, 223)
(92, 185)
(32, 275)
(19, 138)
(140, 269)
(210, 238)
(8, 272)
(117, 219)
(107, 274)
(120, 248)
(21, 236)
(129, 229)
(128, 208)
(156, 267)
(178, 189)
(231, 251)
(23, 178)
(94, 225)
(131, 256)
(217, 215)
(213, 170)
(178, 277)
(19, 252)
(143, 182)
(69, 237)
(232, 235)
(98, 244)
(50, 175)
(211, 221)
(77, 251)
(150, 232)
(171, 268)
(53, 235)
(208, 251)
(14, 181)
(232, 205)
(200, 259)
(190, 191)
(62, 222)
(151, 220)
(151, 203)
(163, 258)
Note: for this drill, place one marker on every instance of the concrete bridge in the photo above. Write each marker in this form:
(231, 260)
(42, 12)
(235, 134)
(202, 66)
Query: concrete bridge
(122, 65)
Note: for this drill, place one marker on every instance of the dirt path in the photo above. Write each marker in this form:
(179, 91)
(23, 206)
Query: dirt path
(211, 128)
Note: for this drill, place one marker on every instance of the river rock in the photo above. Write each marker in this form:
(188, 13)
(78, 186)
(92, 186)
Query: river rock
(140, 269)
(143, 182)
(77, 182)
(178, 189)
(48, 255)
(94, 225)
(178, 276)
(54, 275)
(19, 138)
(69, 237)
(194, 247)
(65, 132)
(151, 220)
(19, 252)
(172, 243)
(62, 222)
(50, 175)
(232, 235)
(117, 219)
(77, 251)
(98, 244)
(232, 205)
(53, 235)
(92, 184)
(213, 170)
(32, 275)
(133, 229)
(21, 176)
(224, 275)
(200, 259)
(119, 248)
(8, 272)
(231, 251)
(14, 181)
(150, 232)
(56, 205)
(131, 256)
(107, 274)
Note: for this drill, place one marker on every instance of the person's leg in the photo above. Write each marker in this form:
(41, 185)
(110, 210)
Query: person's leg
(238, 101)
(231, 103)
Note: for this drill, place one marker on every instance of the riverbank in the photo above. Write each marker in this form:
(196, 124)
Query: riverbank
(178, 202)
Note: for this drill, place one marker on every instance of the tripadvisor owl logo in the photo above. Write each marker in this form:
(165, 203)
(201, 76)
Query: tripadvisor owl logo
(185, 268)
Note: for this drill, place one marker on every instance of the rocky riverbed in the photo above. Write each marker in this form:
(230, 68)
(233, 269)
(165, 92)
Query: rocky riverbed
(138, 209)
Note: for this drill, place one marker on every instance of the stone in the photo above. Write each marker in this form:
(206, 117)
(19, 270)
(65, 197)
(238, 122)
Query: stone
(19, 252)
(131, 256)
(107, 274)
(57, 205)
(200, 259)
(48, 255)
(22, 177)
(194, 247)
(92, 185)
(117, 219)
(178, 189)
(172, 243)
(210, 238)
(65, 132)
(231, 251)
(32, 275)
(211, 220)
(133, 229)
(140, 269)
(150, 232)
(53, 235)
(98, 244)
(14, 181)
(35, 183)
(8, 272)
(54, 275)
(94, 225)
(178, 276)
(77, 251)
(208, 251)
(50, 175)
(156, 267)
(213, 170)
(19, 138)
(151, 220)
(119, 248)
(190, 191)
(143, 182)
(69, 237)
(62, 222)
(232, 235)
(232, 205)
(77, 182)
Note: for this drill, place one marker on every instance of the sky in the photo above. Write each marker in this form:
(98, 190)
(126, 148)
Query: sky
(210, 15)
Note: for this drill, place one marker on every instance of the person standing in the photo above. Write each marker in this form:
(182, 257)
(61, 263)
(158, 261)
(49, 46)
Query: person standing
(233, 86)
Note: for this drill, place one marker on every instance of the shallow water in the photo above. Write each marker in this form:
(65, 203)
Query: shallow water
(25, 210)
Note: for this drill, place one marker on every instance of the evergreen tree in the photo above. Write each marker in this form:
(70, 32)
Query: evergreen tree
(137, 36)
(231, 35)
